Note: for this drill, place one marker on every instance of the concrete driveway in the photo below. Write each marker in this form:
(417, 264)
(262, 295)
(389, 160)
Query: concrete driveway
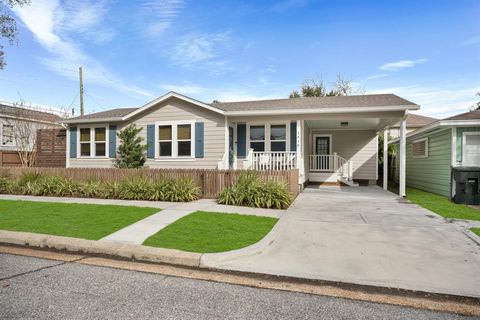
(367, 236)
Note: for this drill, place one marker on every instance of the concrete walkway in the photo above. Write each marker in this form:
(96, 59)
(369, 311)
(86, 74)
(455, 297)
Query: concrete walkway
(366, 236)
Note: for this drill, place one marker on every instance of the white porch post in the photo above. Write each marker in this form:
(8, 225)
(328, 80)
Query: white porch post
(385, 159)
(402, 155)
(300, 164)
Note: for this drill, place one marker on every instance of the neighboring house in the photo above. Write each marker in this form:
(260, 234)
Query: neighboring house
(328, 139)
(434, 149)
(17, 122)
(414, 122)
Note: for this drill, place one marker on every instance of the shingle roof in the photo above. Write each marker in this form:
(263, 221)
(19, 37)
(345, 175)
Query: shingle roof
(114, 113)
(28, 113)
(370, 100)
(471, 115)
(417, 121)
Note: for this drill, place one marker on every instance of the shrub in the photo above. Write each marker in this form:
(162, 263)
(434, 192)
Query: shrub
(91, 189)
(135, 189)
(160, 189)
(251, 191)
(182, 190)
(29, 177)
(111, 190)
(6, 186)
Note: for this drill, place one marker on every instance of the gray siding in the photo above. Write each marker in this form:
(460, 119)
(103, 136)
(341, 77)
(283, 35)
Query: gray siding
(360, 146)
(174, 110)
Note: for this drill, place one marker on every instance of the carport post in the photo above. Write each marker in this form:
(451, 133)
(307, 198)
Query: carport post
(402, 155)
(385, 159)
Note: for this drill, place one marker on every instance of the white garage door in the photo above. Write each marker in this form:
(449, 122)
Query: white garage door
(471, 149)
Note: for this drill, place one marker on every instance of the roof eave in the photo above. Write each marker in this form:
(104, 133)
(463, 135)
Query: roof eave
(438, 124)
(93, 120)
(322, 110)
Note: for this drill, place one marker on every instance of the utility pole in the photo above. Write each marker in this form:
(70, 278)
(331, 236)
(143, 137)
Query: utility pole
(80, 72)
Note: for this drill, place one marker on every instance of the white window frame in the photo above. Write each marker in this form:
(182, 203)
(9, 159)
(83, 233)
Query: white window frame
(13, 135)
(268, 135)
(464, 142)
(175, 140)
(322, 135)
(425, 155)
(92, 142)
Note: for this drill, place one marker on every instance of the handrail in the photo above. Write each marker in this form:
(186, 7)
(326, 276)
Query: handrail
(273, 160)
(331, 163)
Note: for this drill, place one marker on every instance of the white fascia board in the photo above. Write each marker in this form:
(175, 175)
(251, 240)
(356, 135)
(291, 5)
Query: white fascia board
(167, 96)
(322, 110)
(441, 123)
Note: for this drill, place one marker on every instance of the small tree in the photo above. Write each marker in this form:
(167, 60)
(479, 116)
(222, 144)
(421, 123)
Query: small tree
(131, 152)
(476, 106)
(312, 88)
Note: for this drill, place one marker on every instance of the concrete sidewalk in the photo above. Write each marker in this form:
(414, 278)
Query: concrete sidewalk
(366, 236)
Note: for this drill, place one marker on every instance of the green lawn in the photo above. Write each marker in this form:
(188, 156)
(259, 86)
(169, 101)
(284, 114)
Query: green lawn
(86, 221)
(212, 232)
(442, 205)
(476, 231)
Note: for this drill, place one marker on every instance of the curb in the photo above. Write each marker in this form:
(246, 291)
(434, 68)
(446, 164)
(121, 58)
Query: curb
(124, 251)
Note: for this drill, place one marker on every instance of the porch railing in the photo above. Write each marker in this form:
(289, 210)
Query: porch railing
(331, 163)
(271, 160)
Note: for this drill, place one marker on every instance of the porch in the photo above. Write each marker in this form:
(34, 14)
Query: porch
(328, 148)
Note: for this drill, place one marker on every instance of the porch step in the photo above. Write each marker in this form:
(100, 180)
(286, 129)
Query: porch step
(349, 183)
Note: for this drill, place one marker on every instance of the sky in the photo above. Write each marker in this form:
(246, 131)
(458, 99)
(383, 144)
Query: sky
(134, 51)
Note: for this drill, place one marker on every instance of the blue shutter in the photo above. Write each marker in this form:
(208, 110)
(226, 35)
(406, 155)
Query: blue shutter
(112, 141)
(151, 141)
(199, 138)
(73, 142)
(293, 136)
(241, 140)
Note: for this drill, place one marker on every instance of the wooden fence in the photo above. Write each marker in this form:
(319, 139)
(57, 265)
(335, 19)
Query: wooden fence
(210, 181)
(10, 159)
(51, 148)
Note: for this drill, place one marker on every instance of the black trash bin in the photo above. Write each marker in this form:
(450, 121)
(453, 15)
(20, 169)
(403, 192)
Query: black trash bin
(465, 185)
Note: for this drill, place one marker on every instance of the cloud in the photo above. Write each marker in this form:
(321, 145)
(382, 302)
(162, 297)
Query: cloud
(288, 4)
(161, 14)
(376, 76)
(203, 51)
(438, 102)
(400, 65)
(48, 21)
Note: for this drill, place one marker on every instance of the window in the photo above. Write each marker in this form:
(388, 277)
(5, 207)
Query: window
(257, 138)
(93, 142)
(100, 142)
(7, 135)
(420, 148)
(184, 140)
(165, 141)
(278, 137)
(471, 148)
(85, 142)
(175, 139)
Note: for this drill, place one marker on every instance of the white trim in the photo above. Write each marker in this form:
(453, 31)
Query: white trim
(267, 125)
(174, 140)
(425, 155)
(441, 123)
(454, 146)
(330, 142)
(322, 110)
(464, 140)
(67, 160)
(14, 142)
(385, 158)
(92, 128)
(168, 96)
(403, 156)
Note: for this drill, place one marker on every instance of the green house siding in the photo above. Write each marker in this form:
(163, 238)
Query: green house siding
(460, 132)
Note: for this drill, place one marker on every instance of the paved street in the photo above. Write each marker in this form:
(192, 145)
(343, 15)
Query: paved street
(39, 288)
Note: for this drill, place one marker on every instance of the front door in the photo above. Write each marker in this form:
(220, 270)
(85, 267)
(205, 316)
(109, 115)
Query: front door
(471, 149)
(322, 160)
(231, 147)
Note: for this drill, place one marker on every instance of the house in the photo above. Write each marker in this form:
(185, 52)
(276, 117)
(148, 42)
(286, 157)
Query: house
(18, 127)
(414, 122)
(329, 139)
(434, 149)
